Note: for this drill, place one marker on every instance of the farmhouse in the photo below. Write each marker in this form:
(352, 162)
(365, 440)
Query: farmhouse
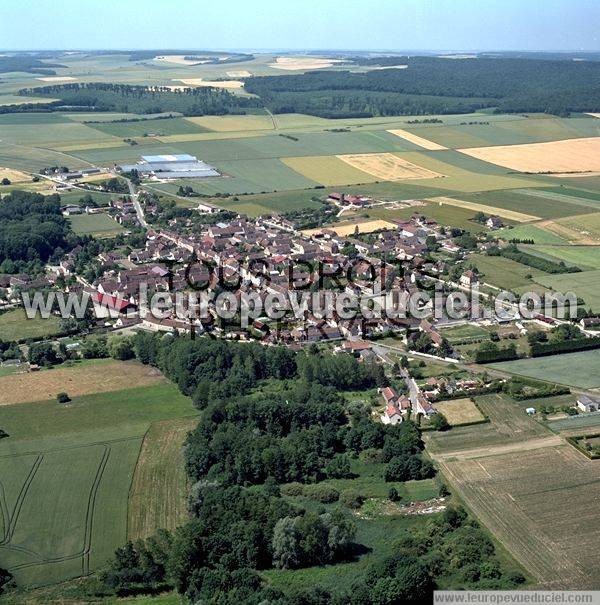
(469, 278)
(180, 166)
(588, 404)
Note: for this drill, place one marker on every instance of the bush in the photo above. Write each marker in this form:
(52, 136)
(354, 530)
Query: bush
(393, 495)
(371, 456)
(63, 398)
(352, 498)
(292, 489)
(325, 494)
(3, 434)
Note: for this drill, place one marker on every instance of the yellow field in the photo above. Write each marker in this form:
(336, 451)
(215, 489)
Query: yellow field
(387, 166)
(82, 379)
(157, 499)
(242, 73)
(229, 84)
(327, 170)
(344, 230)
(57, 79)
(417, 140)
(511, 215)
(572, 155)
(14, 176)
(459, 411)
(233, 123)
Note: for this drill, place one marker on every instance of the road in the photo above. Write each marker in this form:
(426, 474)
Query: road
(136, 204)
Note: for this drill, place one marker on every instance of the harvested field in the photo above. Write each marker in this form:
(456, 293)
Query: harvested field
(229, 84)
(538, 506)
(327, 170)
(82, 379)
(14, 176)
(344, 230)
(242, 73)
(302, 63)
(387, 166)
(459, 411)
(417, 140)
(57, 79)
(511, 215)
(568, 156)
(179, 60)
(157, 499)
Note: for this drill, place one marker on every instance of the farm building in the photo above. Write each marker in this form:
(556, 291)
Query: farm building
(588, 404)
(179, 166)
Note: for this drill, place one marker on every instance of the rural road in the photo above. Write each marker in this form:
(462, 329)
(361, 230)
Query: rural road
(136, 204)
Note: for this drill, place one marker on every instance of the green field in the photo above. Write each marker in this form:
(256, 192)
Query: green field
(573, 369)
(464, 333)
(65, 472)
(585, 285)
(584, 257)
(529, 232)
(14, 325)
(101, 225)
(504, 273)
(142, 128)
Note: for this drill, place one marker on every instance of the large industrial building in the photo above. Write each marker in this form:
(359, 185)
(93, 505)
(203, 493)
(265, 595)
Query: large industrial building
(180, 166)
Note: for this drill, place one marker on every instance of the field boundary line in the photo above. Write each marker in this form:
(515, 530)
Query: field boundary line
(135, 468)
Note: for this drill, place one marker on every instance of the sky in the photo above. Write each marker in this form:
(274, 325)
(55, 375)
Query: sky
(301, 25)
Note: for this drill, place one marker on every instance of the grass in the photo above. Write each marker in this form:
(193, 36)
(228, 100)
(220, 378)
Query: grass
(143, 128)
(14, 325)
(465, 332)
(573, 369)
(328, 170)
(66, 472)
(585, 257)
(94, 224)
(459, 411)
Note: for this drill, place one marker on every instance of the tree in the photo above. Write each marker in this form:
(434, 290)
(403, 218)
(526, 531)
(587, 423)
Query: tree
(43, 354)
(286, 547)
(5, 181)
(339, 467)
(120, 347)
(63, 398)
(5, 579)
(439, 422)
(393, 495)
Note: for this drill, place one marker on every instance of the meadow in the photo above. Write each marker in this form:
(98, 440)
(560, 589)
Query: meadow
(573, 369)
(100, 225)
(66, 472)
(14, 325)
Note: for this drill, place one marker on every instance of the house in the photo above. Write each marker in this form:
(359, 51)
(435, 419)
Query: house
(494, 222)
(588, 404)
(468, 278)
(590, 323)
(391, 415)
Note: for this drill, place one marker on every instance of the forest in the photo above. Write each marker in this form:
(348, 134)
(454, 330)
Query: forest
(141, 99)
(271, 419)
(32, 229)
(437, 85)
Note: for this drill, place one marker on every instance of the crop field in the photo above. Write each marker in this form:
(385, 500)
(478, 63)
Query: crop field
(346, 229)
(328, 170)
(14, 325)
(510, 215)
(573, 155)
(585, 257)
(65, 473)
(503, 272)
(158, 496)
(578, 369)
(534, 232)
(387, 166)
(459, 411)
(585, 285)
(14, 176)
(537, 504)
(143, 128)
(100, 225)
(84, 378)
(585, 226)
(508, 425)
(417, 140)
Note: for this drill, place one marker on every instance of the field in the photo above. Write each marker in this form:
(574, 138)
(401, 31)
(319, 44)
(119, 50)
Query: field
(585, 285)
(14, 176)
(504, 273)
(464, 333)
(585, 226)
(84, 378)
(511, 215)
(529, 232)
(459, 411)
(417, 140)
(574, 155)
(573, 369)
(387, 166)
(584, 257)
(157, 499)
(328, 170)
(66, 471)
(343, 229)
(14, 325)
(100, 225)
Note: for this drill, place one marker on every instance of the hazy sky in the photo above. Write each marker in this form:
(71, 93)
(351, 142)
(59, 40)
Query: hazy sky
(307, 24)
